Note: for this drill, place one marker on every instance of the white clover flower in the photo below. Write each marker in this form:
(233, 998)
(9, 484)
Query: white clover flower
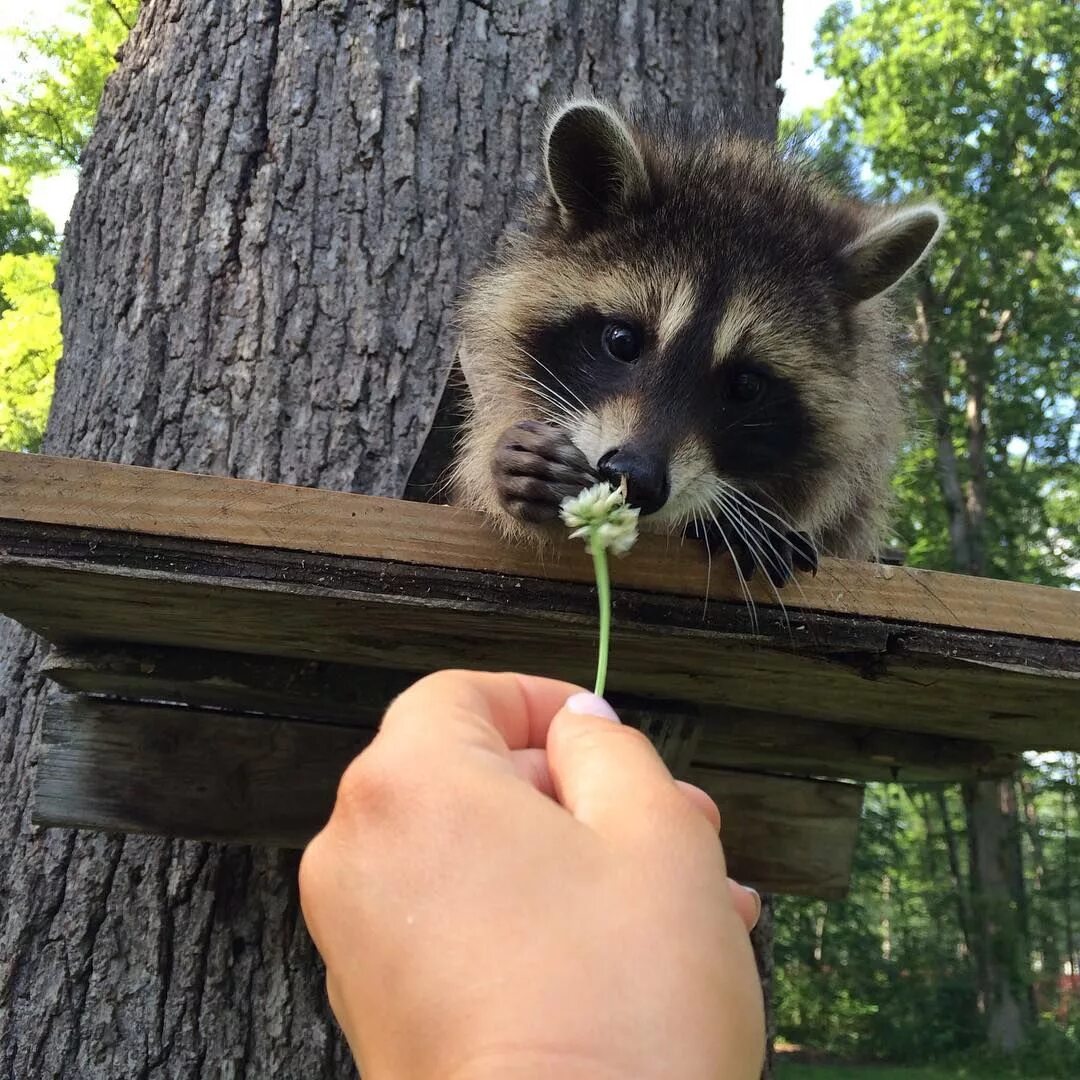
(599, 515)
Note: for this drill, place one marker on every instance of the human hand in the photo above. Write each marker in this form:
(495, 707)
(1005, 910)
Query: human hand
(511, 887)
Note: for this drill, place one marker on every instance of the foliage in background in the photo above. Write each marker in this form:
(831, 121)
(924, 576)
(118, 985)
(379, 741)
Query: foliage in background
(887, 974)
(29, 347)
(971, 103)
(45, 120)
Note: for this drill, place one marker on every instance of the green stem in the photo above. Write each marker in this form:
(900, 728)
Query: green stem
(603, 593)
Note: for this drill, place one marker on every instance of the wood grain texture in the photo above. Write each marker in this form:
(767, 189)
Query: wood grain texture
(817, 818)
(87, 494)
(666, 652)
(257, 780)
(349, 695)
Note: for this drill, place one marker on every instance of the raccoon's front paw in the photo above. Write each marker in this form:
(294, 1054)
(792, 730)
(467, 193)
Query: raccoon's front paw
(536, 466)
(779, 556)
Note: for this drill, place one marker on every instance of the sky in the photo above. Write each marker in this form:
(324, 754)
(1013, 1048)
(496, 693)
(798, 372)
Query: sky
(806, 87)
(53, 196)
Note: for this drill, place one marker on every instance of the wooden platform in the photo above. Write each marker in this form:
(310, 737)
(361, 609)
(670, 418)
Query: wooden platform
(225, 646)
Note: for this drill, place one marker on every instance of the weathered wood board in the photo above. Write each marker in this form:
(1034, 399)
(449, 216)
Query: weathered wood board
(256, 780)
(229, 645)
(1014, 693)
(356, 696)
(154, 502)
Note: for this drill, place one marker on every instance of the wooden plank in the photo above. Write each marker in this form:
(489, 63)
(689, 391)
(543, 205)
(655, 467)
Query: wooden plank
(813, 822)
(239, 682)
(227, 778)
(317, 690)
(179, 772)
(750, 739)
(424, 620)
(41, 489)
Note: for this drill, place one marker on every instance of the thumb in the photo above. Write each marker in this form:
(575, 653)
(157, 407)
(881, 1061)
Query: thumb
(609, 776)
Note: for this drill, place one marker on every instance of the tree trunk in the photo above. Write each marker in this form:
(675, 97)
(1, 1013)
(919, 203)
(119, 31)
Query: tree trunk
(276, 210)
(1051, 954)
(936, 397)
(961, 891)
(998, 924)
(762, 940)
(1069, 798)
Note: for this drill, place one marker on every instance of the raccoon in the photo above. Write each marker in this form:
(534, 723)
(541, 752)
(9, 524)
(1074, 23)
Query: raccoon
(695, 314)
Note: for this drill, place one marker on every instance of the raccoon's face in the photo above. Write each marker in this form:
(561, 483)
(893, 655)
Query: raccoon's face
(686, 314)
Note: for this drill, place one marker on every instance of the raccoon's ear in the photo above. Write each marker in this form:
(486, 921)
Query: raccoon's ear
(593, 165)
(879, 258)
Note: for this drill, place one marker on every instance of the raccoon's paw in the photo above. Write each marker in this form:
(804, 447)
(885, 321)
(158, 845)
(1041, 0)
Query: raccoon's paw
(779, 557)
(536, 466)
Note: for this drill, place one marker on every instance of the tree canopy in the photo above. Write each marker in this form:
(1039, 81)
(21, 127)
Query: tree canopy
(968, 102)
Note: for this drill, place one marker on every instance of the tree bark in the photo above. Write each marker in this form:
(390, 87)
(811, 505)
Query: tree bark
(998, 924)
(762, 940)
(276, 211)
(1069, 798)
(1051, 954)
(935, 394)
(961, 891)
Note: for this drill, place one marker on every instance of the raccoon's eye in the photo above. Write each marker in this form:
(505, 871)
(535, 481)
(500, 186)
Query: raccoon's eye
(746, 387)
(621, 342)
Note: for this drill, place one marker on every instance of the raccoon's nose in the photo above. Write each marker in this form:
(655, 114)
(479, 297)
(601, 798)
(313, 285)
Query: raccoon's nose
(647, 485)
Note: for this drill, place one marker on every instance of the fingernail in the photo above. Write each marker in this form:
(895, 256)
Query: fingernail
(590, 705)
(757, 904)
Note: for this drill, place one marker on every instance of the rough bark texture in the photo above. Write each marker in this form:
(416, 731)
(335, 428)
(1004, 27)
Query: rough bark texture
(1000, 934)
(762, 939)
(276, 211)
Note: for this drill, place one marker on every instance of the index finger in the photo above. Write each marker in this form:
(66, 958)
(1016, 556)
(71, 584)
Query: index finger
(499, 711)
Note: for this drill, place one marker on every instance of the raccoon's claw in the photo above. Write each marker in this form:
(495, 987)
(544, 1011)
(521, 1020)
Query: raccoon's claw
(536, 466)
(782, 556)
(719, 542)
(804, 555)
(779, 558)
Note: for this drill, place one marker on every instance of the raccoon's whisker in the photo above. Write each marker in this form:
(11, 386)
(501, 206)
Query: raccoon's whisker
(540, 363)
(740, 421)
(758, 554)
(525, 354)
(550, 411)
(592, 360)
(750, 605)
(748, 500)
(745, 503)
(753, 508)
(546, 411)
(444, 484)
(783, 534)
(755, 521)
(708, 570)
(551, 396)
(773, 513)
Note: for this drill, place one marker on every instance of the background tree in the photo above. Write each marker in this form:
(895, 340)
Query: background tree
(276, 210)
